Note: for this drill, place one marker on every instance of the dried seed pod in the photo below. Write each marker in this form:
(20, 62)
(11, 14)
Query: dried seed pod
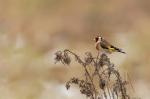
(104, 60)
(67, 86)
(75, 80)
(58, 56)
(66, 58)
(88, 59)
(102, 84)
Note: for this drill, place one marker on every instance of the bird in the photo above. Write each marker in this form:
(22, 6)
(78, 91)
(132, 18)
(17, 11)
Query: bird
(101, 43)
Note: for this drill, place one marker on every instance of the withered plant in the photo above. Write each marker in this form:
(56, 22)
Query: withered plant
(102, 82)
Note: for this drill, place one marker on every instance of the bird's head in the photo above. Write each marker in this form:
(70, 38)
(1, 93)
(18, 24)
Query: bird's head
(98, 38)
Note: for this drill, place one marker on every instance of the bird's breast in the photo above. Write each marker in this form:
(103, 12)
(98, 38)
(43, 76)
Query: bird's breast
(97, 46)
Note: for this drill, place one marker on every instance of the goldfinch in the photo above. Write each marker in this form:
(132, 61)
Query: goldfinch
(106, 46)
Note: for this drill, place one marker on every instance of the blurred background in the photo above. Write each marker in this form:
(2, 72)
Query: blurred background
(31, 31)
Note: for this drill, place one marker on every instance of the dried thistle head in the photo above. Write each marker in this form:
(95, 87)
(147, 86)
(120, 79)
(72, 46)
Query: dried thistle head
(62, 57)
(88, 58)
(67, 86)
(104, 60)
(66, 58)
(102, 83)
(58, 56)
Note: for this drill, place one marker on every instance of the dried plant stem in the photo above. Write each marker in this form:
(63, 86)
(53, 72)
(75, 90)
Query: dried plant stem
(109, 92)
(130, 82)
(120, 83)
(91, 81)
(103, 69)
(105, 95)
(87, 72)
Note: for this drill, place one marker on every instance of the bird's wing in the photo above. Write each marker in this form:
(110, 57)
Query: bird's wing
(105, 45)
(115, 48)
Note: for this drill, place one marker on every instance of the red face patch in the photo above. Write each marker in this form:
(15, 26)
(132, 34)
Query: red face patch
(96, 39)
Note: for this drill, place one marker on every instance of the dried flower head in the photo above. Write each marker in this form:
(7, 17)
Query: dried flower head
(63, 57)
(66, 58)
(88, 58)
(58, 56)
(102, 84)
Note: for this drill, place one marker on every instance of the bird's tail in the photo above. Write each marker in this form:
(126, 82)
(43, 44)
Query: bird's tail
(121, 51)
